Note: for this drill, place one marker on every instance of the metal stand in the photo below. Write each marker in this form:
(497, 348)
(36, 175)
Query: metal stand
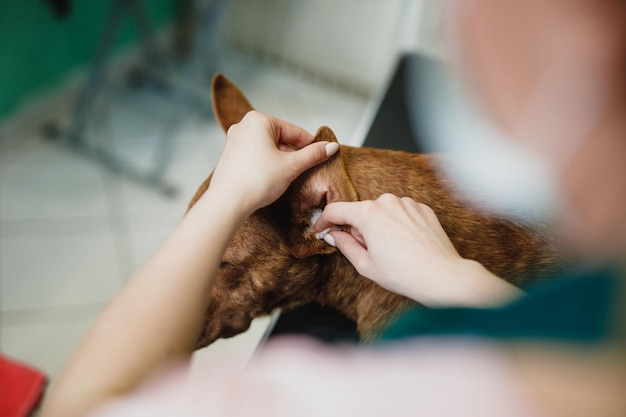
(183, 90)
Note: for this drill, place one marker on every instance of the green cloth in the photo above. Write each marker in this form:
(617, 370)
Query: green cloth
(577, 308)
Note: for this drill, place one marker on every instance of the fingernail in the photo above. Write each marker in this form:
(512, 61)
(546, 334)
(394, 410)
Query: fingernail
(322, 234)
(331, 148)
(330, 240)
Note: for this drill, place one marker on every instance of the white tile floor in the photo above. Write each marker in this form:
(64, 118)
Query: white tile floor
(71, 232)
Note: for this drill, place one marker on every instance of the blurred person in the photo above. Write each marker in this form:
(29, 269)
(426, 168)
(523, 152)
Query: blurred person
(539, 68)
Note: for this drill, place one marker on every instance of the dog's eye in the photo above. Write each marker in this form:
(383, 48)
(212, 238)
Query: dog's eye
(224, 265)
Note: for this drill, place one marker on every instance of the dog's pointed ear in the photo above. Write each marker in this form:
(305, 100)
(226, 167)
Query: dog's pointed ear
(308, 195)
(229, 103)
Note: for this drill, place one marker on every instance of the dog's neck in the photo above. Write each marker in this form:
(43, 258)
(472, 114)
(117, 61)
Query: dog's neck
(342, 285)
(358, 298)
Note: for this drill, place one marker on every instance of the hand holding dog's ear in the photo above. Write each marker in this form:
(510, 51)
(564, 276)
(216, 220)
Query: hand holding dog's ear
(262, 156)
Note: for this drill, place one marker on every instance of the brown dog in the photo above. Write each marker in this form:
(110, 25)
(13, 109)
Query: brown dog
(275, 260)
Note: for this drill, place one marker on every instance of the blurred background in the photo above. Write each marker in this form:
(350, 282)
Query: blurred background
(106, 131)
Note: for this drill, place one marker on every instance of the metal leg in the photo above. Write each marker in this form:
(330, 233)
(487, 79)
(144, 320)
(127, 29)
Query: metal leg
(139, 15)
(96, 74)
(182, 90)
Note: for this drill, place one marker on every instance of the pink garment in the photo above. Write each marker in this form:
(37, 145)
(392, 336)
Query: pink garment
(303, 378)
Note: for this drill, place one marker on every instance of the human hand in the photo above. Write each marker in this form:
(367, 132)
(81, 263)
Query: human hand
(392, 241)
(400, 245)
(262, 156)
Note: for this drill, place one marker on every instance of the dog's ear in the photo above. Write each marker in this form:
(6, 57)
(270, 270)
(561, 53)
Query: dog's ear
(229, 103)
(308, 195)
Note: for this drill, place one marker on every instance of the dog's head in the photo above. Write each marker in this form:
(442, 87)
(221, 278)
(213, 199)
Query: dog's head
(274, 260)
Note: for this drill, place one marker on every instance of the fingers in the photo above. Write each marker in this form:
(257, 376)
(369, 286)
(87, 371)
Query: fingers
(310, 155)
(339, 213)
(289, 134)
(355, 213)
(286, 135)
(351, 248)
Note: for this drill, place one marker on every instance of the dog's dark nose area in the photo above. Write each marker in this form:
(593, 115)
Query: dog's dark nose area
(236, 325)
(229, 331)
(211, 332)
(204, 339)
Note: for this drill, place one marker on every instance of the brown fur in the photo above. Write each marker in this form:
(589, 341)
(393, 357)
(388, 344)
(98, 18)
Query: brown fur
(275, 261)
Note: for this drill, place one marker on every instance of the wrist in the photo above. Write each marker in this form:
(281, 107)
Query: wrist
(230, 199)
(215, 214)
(467, 283)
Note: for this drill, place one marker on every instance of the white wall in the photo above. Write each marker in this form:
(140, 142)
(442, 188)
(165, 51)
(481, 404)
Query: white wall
(350, 42)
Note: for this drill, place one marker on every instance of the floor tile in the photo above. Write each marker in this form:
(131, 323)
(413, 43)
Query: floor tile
(197, 148)
(55, 226)
(139, 199)
(68, 188)
(146, 233)
(34, 151)
(51, 315)
(134, 137)
(47, 347)
(57, 270)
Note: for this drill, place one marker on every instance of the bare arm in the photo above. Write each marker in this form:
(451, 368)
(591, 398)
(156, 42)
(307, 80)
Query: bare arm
(401, 245)
(157, 315)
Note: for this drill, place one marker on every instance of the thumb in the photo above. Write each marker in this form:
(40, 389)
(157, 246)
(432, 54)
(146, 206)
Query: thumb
(350, 247)
(312, 155)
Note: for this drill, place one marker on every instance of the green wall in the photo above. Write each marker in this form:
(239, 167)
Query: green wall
(38, 50)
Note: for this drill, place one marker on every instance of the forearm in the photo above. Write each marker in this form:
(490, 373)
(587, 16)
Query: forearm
(464, 283)
(157, 315)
